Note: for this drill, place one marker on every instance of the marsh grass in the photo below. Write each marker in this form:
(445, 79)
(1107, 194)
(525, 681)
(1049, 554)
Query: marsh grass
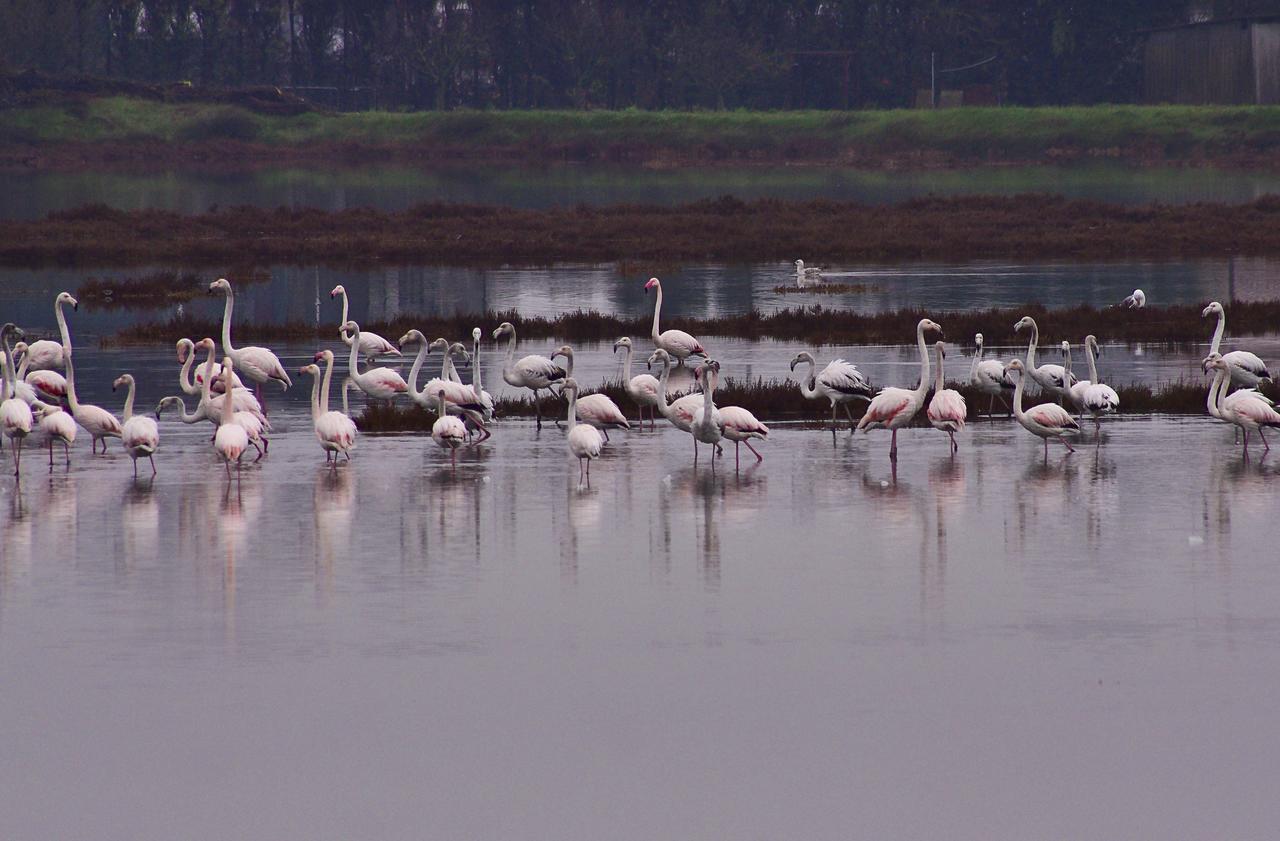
(155, 289)
(825, 289)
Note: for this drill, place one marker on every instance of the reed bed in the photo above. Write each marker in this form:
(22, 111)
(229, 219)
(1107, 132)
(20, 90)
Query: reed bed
(155, 289)
(814, 325)
(824, 289)
(725, 229)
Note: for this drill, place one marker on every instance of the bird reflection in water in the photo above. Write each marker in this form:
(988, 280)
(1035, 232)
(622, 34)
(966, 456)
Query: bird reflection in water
(333, 503)
(140, 521)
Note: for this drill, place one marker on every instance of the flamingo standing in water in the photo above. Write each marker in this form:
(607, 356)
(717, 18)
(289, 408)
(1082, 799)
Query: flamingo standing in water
(97, 421)
(371, 344)
(15, 415)
(138, 433)
(532, 372)
(840, 382)
(57, 426)
(335, 431)
(1247, 370)
(893, 408)
(988, 376)
(740, 426)
(1247, 409)
(254, 423)
(1046, 420)
(681, 411)
(46, 355)
(707, 427)
(379, 383)
(486, 399)
(642, 388)
(1091, 395)
(584, 441)
(596, 410)
(947, 410)
(448, 432)
(231, 439)
(258, 364)
(1052, 379)
(675, 342)
(20, 388)
(45, 381)
(242, 399)
(459, 398)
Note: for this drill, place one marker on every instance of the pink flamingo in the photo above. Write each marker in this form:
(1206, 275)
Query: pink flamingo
(596, 410)
(231, 439)
(947, 410)
(584, 440)
(893, 408)
(642, 388)
(675, 342)
(1046, 420)
(335, 431)
(138, 433)
(1247, 409)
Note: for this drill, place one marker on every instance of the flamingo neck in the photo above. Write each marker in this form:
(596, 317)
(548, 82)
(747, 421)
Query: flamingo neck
(1017, 396)
(1031, 348)
(226, 393)
(413, 373)
(184, 377)
(509, 364)
(937, 383)
(1066, 365)
(22, 369)
(1211, 402)
(708, 399)
(10, 378)
(572, 420)
(809, 386)
(1093, 365)
(227, 308)
(626, 366)
(973, 366)
(72, 399)
(662, 387)
(657, 308)
(63, 332)
(324, 388)
(475, 365)
(315, 396)
(1217, 333)
(446, 366)
(347, 339)
(568, 364)
(206, 387)
(128, 402)
(923, 387)
(441, 409)
(353, 360)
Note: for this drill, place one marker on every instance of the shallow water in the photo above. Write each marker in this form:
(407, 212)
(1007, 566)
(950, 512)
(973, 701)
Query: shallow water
(814, 646)
(33, 194)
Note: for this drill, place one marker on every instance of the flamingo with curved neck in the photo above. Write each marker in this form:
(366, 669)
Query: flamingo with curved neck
(460, 399)
(988, 376)
(1045, 420)
(642, 388)
(583, 440)
(97, 421)
(893, 408)
(371, 344)
(533, 372)
(138, 433)
(258, 364)
(1052, 379)
(1246, 369)
(840, 382)
(678, 343)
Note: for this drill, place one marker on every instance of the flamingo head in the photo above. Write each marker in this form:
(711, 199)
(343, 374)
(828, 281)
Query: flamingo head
(563, 350)
(65, 298)
(1092, 341)
(1066, 347)
(802, 356)
(1025, 322)
(40, 409)
(325, 356)
(506, 328)
(220, 285)
(799, 264)
(653, 282)
(184, 347)
(412, 337)
(659, 356)
(312, 370)
(19, 349)
(625, 342)
(570, 385)
(351, 327)
(168, 402)
(476, 334)
(1014, 367)
(438, 345)
(336, 291)
(204, 344)
(1213, 309)
(928, 326)
(941, 348)
(1211, 361)
(10, 327)
(977, 339)
(459, 350)
(122, 380)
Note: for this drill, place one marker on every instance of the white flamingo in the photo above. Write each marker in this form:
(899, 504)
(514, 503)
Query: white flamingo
(211, 408)
(1247, 409)
(707, 426)
(15, 415)
(1247, 370)
(740, 426)
(947, 410)
(335, 431)
(138, 433)
(97, 421)
(988, 377)
(258, 364)
(642, 388)
(584, 441)
(448, 432)
(486, 399)
(185, 348)
(533, 372)
(1091, 395)
(459, 398)
(1046, 420)
(675, 342)
(893, 408)
(45, 381)
(1136, 301)
(231, 439)
(20, 388)
(45, 354)
(371, 344)
(58, 427)
(680, 411)
(596, 410)
(379, 383)
(806, 275)
(1052, 379)
(840, 382)
(242, 399)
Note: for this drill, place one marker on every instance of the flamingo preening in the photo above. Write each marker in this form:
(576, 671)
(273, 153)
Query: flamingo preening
(1246, 369)
(1046, 420)
(642, 388)
(258, 364)
(584, 441)
(533, 372)
(947, 410)
(138, 433)
(893, 408)
(1136, 301)
(46, 381)
(988, 377)
(675, 342)
(371, 344)
(840, 382)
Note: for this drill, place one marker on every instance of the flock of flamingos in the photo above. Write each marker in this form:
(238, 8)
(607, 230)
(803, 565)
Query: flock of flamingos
(34, 391)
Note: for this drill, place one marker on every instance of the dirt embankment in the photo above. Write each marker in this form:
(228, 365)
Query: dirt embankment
(720, 230)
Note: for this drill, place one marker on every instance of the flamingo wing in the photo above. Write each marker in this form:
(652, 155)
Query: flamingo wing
(261, 365)
(885, 406)
(948, 405)
(16, 417)
(742, 422)
(1099, 398)
(539, 371)
(845, 378)
(992, 375)
(1249, 362)
(49, 382)
(599, 408)
(1052, 416)
(141, 433)
(680, 343)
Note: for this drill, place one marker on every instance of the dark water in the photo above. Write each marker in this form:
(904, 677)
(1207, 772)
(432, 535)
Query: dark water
(31, 195)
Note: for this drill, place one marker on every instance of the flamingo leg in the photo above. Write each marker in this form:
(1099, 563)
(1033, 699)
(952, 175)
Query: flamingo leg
(1070, 449)
(537, 409)
(135, 468)
(833, 417)
(695, 452)
(51, 453)
(67, 451)
(893, 446)
(737, 463)
(605, 432)
(849, 414)
(991, 407)
(17, 454)
(759, 458)
(1266, 448)
(954, 445)
(153, 464)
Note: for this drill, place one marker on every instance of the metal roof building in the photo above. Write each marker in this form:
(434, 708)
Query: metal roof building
(1226, 62)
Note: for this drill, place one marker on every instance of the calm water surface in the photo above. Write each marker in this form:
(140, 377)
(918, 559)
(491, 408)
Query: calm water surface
(816, 647)
(31, 195)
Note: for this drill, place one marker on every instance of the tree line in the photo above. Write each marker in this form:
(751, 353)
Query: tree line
(440, 54)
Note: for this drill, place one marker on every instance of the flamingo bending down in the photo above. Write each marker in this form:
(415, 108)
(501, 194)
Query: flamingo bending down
(1052, 379)
(988, 377)
(1247, 370)
(257, 364)
(1096, 398)
(335, 431)
(947, 410)
(45, 381)
(642, 388)
(459, 398)
(893, 408)
(840, 382)
(804, 275)
(1136, 301)
(675, 342)
(15, 415)
(584, 440)
(139, 433)
(596, 410)
(1247, 409)
(231, 439)
(681, 411)
(371, 344)
(56, 425)
(379, 383)
(97, 421)
(448, 432)
(532, 372)
(1047, 420)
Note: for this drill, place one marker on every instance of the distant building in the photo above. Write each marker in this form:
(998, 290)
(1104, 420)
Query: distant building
(1224, 62)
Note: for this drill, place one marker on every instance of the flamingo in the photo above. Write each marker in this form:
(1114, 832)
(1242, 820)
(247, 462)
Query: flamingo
(45, 381)
(803, 275)
(258, 364)
(185, 347)
(242, 399)
(988, 377)
(1052, 379)
(335, 431)
(947, 410)
(231, 439)
(583, 439)
(1136, 301)
(642, 388)
(475, 417)
(675, 342)
(448, 432)
(211, 408)
(379, 383)
(740, 426)
(15, 415)
(840, 382)
(596, 410)
(1090, 395)
(1247, 369)
(707, 426)
(57, 425)
(461, 399)
(486, 399)
(1247, 409)
(371, 344)
(893, 408)
(532, 372)
(98, 422)
(139, 433)
(45, 354)
(20, 388)
(680, 412)
(1046, 420)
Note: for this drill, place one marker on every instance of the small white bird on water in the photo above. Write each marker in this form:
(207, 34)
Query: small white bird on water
(1136, 301)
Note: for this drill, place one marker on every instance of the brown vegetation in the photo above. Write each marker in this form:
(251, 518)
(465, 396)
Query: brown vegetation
(155, 289)
(824, 289)
(725, 229)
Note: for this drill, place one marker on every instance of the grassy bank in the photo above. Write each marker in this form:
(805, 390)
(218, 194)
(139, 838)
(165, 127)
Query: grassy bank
(718, 230)
(120, 129)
